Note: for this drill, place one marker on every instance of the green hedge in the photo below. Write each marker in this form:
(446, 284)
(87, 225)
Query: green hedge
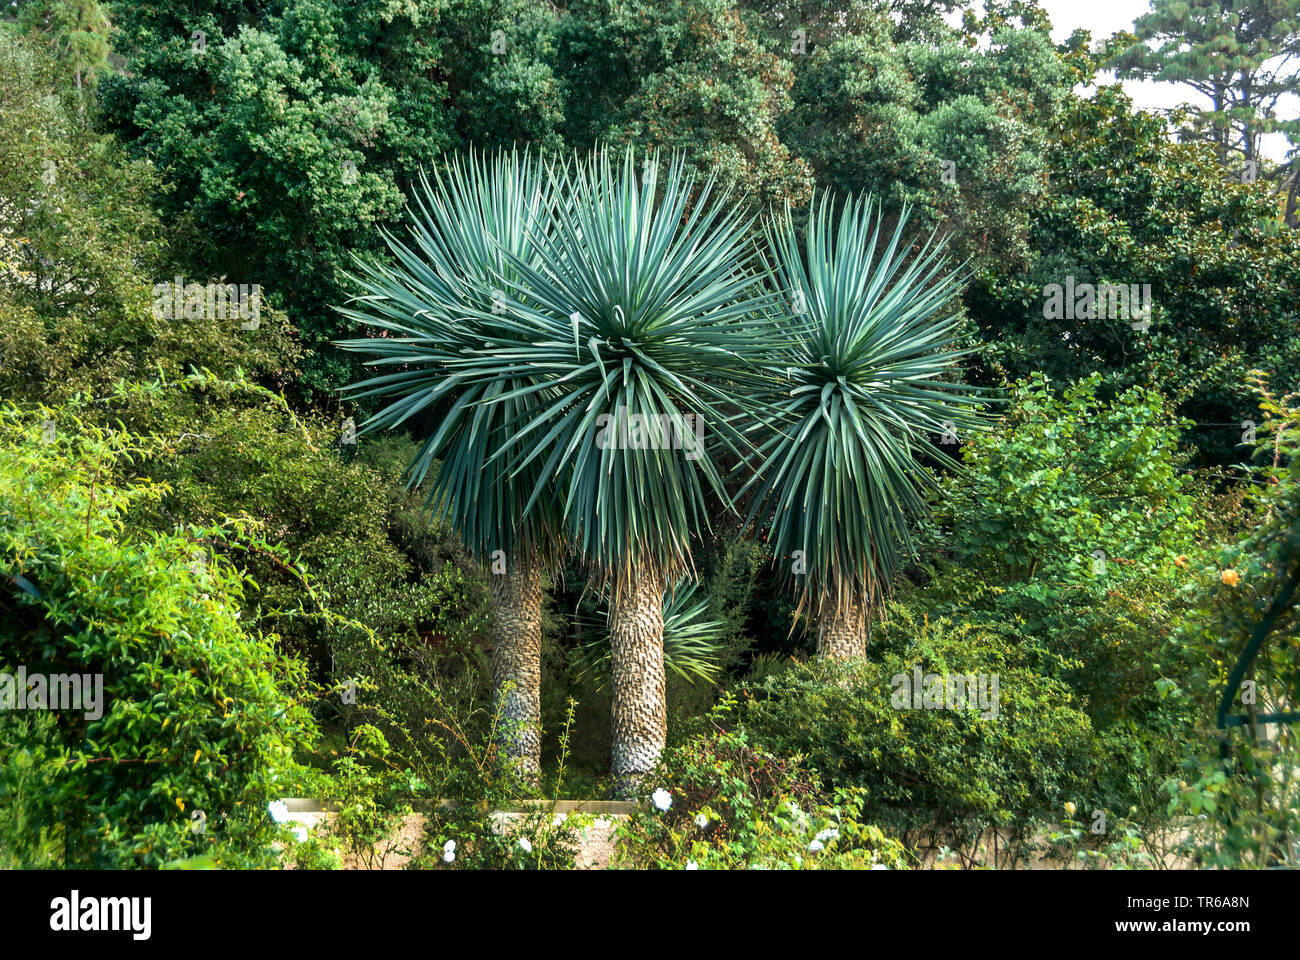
(201, 715)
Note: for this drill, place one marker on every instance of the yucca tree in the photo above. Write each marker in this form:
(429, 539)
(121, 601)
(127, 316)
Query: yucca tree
(869, 391)
(641, 328)
(473, 227)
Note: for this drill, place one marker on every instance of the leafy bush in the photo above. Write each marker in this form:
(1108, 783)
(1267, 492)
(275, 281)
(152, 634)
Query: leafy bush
(1239, 786)
(1076, 527)
(27, 840)
(719, 802)
(483, 839)
(201, 715)
(230, 448)
(473, 831)
(372, 798)
(1065, 476)
(456, 780)
(932, 776)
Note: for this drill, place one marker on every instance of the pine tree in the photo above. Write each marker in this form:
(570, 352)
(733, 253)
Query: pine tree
(1241, 54)
(77, 29)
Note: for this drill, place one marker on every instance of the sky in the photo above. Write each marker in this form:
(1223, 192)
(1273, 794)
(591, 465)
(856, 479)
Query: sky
(1104, 17)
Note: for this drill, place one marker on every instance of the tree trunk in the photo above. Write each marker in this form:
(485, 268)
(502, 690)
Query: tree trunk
(640, 710)
(1220, 133)
(842, 629)
(517, 663)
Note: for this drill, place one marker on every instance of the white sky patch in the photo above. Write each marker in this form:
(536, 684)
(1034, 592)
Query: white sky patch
(1102, 18)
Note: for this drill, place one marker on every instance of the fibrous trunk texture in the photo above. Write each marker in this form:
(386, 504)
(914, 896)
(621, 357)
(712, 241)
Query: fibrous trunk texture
(842, 629)
(517, 666)
(640, 710)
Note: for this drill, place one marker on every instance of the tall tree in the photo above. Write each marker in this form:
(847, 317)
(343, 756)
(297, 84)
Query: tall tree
(476, 230)
(870, 392)
(81, 235)
(76, 29)
(642, 318)
(684, 75)
(293, 130)
(1240, 54)
(1126, 206)
(955, 128)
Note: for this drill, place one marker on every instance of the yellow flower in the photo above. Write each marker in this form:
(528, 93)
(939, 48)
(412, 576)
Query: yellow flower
(1180, 561)
(1069, 808)
(1229, 577)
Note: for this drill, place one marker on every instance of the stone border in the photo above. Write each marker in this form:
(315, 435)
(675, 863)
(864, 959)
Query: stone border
(597, 807)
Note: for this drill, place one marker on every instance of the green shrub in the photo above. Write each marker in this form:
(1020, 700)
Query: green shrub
(27, 840)
(200, 714)
(234, 449)
(1239, 787)
(1066, 476)
(931, 776)
(1076, 528)
(372, 798)
(717, 801)
(471, 833)
(478, 838)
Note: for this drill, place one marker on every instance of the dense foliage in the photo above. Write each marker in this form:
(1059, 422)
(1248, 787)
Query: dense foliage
(195, 717)
(191, 508)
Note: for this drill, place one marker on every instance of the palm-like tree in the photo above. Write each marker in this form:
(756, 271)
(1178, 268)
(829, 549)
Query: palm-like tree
(641, 320)
(869, 390)
(474, 227)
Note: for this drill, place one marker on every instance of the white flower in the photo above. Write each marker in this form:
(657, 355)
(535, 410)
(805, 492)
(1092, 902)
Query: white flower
(879, 866)
(815, 847)
(449, 851)
(300, 834)
(279, 811)
(701, 821)
(830, 833)
(558, 821)
(525, 844)
(692, 865)
(662, 799)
